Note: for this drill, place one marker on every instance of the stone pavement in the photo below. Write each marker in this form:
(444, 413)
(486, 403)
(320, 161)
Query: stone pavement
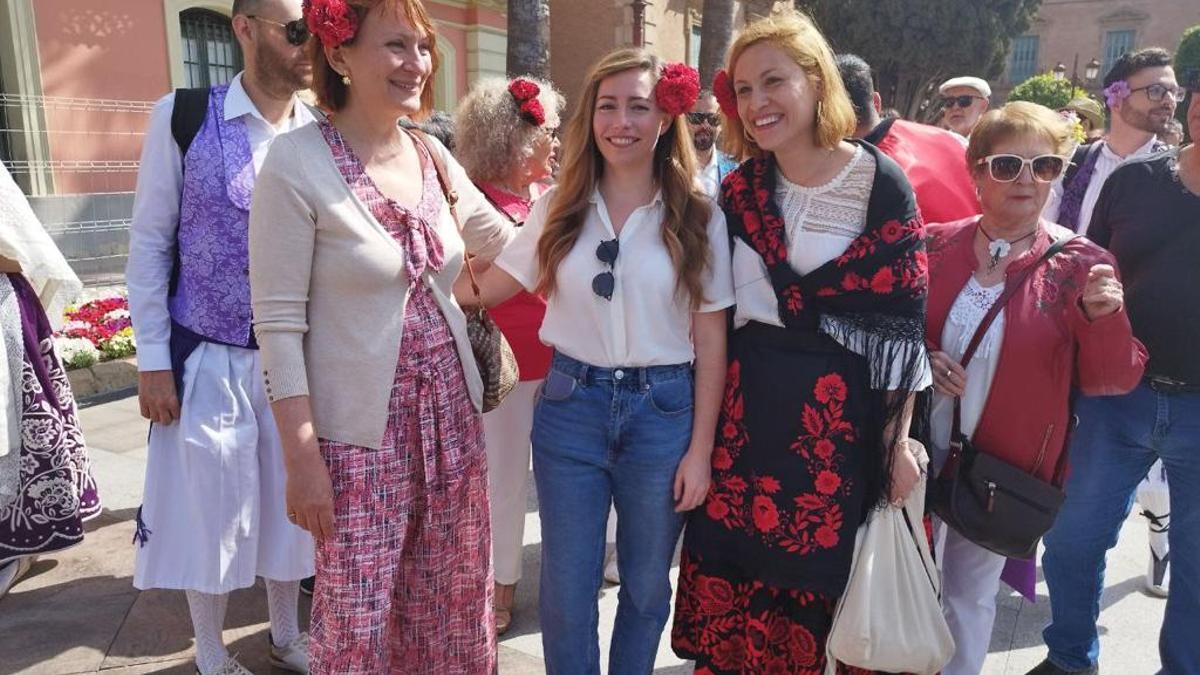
(77, 611)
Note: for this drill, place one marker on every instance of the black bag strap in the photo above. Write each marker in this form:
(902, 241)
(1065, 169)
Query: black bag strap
(956, 440)
(191, 107)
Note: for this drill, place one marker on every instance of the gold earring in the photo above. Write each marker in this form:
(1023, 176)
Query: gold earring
(346, 80)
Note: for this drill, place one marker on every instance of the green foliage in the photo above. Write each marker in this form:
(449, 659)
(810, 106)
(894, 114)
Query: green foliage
(1187, 68)
(1050, 91)
(1187, 55)
(914, 44)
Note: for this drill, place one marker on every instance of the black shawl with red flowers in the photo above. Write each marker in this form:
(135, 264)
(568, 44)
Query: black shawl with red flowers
(871, 299)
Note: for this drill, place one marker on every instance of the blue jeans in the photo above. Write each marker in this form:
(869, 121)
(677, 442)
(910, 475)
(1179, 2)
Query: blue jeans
(604, 436)
(1118, 438)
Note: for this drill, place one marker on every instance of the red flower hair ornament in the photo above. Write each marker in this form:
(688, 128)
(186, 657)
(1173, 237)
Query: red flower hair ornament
(677, 89)
(726, 97)
(334, 22)
(525, 95)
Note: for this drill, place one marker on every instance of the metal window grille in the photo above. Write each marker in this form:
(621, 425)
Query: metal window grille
(211, 55)
(1024, 59)
(1116, 44)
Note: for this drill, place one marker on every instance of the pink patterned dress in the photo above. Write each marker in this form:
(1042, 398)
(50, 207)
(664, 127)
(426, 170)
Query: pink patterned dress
(405, 583)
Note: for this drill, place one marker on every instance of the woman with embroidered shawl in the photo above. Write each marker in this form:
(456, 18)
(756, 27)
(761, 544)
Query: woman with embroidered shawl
(46, 486)
(826, 350)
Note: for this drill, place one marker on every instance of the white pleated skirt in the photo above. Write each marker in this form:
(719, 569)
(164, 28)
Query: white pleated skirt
(213, 515)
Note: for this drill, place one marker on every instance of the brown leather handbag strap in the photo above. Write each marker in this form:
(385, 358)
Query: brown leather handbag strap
(1009, 291)
(451, 196)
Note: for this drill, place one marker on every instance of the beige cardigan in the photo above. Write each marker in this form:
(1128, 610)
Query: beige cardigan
(328, 286)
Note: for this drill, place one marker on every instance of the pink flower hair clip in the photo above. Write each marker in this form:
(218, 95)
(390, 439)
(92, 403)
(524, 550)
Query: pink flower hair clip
(1116, 92)
(678, 88)
(334, 22)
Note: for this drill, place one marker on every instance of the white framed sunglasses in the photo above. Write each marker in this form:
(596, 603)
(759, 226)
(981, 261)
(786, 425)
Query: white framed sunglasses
(1005, 168)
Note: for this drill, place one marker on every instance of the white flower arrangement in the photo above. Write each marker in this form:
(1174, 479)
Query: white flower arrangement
(76, 352)
(117, 314)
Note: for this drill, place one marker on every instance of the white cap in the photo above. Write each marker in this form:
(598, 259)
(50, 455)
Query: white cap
(978, 84)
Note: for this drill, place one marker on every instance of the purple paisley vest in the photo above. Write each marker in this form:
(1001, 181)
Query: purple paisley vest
(211, 288)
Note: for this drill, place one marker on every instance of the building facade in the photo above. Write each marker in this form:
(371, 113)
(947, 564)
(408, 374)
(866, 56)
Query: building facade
(1074, 32)
(78, 79)
(581, 31)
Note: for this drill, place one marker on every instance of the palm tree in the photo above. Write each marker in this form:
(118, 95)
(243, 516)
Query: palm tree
(716, 31)
(528, 38)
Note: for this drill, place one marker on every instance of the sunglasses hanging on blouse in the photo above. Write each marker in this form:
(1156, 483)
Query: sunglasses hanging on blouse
(605, 283)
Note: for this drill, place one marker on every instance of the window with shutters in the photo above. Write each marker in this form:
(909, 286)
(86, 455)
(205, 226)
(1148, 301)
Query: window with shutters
(1116, 43)
(1024, 59)
(211, 55)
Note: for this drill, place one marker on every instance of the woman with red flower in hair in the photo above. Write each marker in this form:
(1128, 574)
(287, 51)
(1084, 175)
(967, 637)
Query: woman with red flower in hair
(507, 142)
(826, 352)
(634, 263)
(354, 251)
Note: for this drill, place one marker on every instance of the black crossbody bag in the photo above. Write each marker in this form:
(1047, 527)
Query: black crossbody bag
(994, 504)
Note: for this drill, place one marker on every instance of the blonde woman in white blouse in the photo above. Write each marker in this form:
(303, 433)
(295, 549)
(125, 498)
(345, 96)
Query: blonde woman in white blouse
(635, 264)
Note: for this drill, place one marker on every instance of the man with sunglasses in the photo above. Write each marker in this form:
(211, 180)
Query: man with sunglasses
(964, 100)
(1141, 95)
(213, 514)
(1148, 217)
(704, 121)
(932, 158)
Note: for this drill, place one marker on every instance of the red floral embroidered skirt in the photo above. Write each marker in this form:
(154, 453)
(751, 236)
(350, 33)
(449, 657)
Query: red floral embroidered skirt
(767, 555)
(405, 584)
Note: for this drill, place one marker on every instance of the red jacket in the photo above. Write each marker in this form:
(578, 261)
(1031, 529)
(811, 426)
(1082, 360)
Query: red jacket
(1049, 345)
(935, 162)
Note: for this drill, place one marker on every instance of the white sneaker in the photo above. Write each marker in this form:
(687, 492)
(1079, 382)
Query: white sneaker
(1158, 573)
(293, 657)
(611, 573)
(12, 571)
(230, 667)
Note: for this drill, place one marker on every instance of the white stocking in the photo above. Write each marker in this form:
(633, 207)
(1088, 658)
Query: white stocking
(208, 619)
(283, 597)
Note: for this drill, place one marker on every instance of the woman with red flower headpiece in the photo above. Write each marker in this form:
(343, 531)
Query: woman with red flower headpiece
(508, 143)
(826, 351)
(353, 255)
(634, 264)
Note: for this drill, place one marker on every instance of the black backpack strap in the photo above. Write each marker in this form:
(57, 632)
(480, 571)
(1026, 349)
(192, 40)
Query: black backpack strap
(191, 107)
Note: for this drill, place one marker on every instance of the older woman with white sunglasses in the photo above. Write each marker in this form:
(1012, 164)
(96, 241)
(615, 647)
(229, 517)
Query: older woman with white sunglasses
(1064, 325)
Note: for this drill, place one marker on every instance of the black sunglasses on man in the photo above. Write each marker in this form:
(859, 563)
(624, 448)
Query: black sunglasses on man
(963, 101)
(296, 31)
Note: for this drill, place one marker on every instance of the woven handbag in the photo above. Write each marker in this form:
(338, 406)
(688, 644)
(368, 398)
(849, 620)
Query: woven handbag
(493, 355)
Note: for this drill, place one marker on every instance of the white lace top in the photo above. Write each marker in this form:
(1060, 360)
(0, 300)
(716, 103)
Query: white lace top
(965, 314)
(821, 222)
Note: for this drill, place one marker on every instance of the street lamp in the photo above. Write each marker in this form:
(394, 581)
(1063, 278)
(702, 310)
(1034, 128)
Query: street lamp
(1091, 71)
(1060, 71)
(639, 22)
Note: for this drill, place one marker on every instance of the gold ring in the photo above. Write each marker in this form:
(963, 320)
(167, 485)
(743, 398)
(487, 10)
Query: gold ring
(291, 515)
(948, 371)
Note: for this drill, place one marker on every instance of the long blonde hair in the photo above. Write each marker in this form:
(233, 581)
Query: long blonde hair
(685, 223)
(797, 36)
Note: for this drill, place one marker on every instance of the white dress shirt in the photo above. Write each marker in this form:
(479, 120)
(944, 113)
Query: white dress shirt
(710, 176)
(646, 323)
(156, 214)
(1106, 163)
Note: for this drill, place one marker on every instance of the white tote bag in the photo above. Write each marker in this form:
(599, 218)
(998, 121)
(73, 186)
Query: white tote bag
(890, 617)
